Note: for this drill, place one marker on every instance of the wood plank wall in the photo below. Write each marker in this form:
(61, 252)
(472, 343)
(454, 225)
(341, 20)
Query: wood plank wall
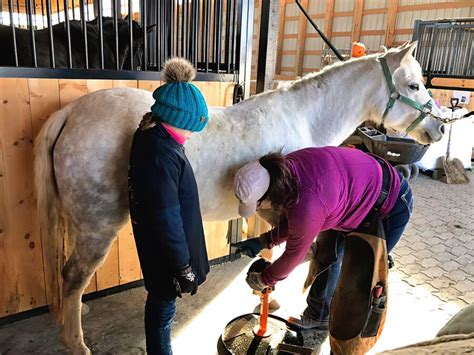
(41, 6)
(25, 104)
(373, 22)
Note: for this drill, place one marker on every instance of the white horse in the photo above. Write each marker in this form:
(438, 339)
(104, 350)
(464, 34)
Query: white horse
(82, 157)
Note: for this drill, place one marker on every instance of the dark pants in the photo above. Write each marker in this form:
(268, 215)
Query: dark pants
(159, 316)
(322, 289)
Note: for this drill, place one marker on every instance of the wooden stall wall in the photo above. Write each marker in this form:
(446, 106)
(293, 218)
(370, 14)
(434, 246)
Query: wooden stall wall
(25, 105)
(373, 22)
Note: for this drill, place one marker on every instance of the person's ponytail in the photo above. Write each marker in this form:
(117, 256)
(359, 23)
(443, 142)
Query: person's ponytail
(283, 190)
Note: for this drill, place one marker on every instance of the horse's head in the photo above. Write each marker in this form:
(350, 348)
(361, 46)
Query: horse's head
(408, 107)
(124, 40)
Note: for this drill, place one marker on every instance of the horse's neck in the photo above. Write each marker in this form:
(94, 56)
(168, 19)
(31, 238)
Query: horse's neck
(326, 108)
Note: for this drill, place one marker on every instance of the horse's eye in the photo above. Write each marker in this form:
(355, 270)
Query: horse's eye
(414, 87)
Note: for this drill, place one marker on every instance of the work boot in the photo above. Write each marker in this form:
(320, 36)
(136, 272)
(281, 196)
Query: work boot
(306, 322)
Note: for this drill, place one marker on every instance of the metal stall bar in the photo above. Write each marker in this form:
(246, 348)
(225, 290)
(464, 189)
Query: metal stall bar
(217, 33)
(101, 34)
(244, 43)
(84, 32)
(192, 32)
(434, 43)
(165, 29)
(34, 15)
(12, 25)
(171, 29)
(49, 12)
(178, 30)
(189, 29)
(73, 10)
(239, 41)
(435, 59)
(32, 33)
(18, 12)
(68, 33)
(164, 42)
(197, 26)
(234, 35)
(116, 32)
(159, 31)
(145, 34)
(228, 47)
(202, 11)
(42, 14)
(169, 26)
(57, 6)
(130, 29)
(184, 6)
(207, 34)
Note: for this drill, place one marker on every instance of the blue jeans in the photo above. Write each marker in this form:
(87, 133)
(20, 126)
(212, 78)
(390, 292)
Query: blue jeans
(159, 315)
(322, 289)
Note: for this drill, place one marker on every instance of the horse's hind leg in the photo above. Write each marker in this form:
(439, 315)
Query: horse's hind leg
(89, 251)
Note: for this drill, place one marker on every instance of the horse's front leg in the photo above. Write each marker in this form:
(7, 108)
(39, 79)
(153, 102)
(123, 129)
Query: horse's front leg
(89, 252)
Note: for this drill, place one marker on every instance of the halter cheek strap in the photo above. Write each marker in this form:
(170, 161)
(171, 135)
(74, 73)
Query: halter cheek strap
(425, 109)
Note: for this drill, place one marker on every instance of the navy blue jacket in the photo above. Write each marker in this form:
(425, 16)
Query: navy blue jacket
(164, 209)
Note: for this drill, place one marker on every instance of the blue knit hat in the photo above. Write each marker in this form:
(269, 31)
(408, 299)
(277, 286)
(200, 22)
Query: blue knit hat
(178, 102)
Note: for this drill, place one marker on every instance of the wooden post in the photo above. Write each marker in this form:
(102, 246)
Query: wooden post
(356, 25)
(281, 29)
(328, 17)
(268, 42)
(391, 21)
(300, 43)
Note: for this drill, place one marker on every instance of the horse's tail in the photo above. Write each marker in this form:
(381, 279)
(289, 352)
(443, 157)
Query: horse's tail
(51, 221)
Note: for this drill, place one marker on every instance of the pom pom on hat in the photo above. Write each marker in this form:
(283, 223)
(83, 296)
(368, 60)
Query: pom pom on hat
(178, 70)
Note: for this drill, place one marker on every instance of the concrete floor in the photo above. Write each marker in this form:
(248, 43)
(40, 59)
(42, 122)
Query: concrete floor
(425, 290)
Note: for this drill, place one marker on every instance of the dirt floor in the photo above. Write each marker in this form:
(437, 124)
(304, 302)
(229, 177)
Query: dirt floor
(419, 305)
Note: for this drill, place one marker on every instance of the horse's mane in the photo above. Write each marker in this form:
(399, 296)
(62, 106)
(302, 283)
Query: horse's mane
(319, 78)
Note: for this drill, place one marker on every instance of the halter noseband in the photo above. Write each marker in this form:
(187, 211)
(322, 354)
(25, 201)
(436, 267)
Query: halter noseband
(425, 109)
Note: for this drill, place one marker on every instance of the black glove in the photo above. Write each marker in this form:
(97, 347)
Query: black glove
(185, 281)
(250, 247)
(254, 275)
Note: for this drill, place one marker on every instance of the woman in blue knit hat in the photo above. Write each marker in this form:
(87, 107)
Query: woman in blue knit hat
(164, 201)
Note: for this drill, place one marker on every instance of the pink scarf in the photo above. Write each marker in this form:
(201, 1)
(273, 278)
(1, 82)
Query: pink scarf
(176, 136)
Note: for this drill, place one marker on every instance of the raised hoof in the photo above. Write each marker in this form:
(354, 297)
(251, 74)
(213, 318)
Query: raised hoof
(273, 305)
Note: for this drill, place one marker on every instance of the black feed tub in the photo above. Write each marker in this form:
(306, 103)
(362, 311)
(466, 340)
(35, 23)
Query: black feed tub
(400, 152)
(395, 150)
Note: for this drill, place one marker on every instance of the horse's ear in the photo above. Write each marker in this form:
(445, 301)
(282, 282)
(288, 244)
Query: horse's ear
(406, 52)
(150, 28)
(404, 45)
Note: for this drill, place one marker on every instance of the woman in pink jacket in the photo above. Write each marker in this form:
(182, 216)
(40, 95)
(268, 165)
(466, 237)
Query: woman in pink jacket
(318, 191)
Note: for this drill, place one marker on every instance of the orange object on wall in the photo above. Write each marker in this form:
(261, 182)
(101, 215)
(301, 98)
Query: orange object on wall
(358, 50)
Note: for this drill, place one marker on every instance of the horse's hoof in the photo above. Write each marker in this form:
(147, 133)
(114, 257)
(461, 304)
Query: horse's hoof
(80, 349)
(85, 309)
(75, 348)
(273, 305)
